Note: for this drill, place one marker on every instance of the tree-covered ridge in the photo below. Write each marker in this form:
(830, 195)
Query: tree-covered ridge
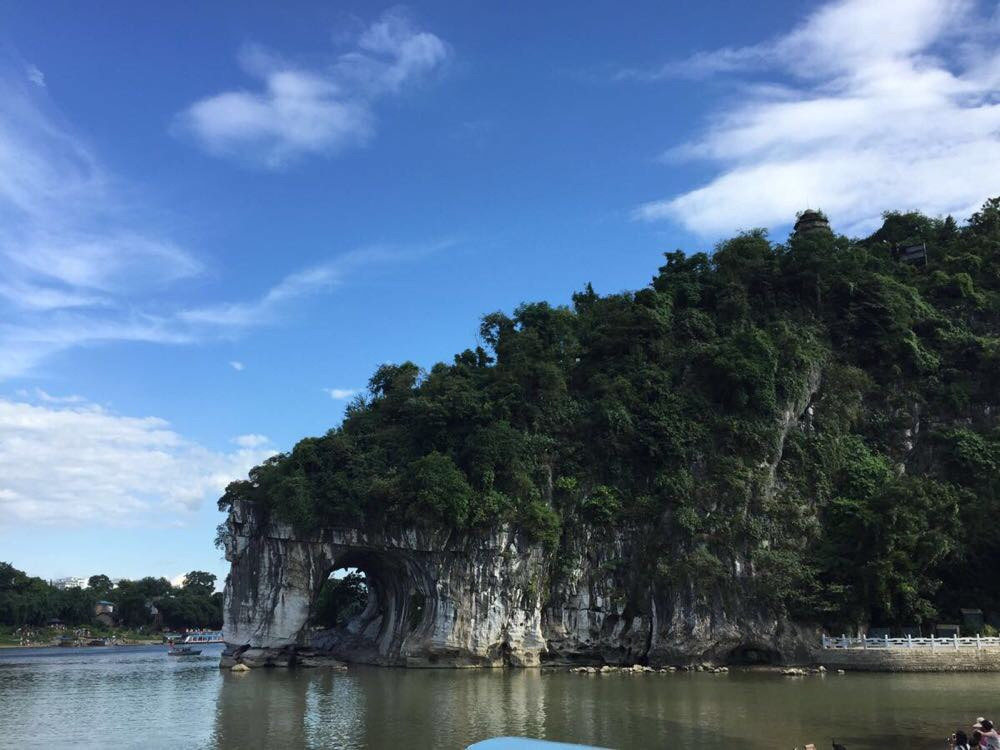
(820, 410)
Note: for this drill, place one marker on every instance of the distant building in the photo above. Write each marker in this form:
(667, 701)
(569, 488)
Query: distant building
(810, 221)
(104, 613)
(155, 613)
(70, 582)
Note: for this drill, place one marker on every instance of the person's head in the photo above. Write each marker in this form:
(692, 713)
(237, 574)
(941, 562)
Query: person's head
(987, 725)
(961, 738)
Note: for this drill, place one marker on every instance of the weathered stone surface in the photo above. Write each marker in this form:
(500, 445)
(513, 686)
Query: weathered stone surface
(444, 600)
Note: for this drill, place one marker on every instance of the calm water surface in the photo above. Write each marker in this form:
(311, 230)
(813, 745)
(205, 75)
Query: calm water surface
(140, 698)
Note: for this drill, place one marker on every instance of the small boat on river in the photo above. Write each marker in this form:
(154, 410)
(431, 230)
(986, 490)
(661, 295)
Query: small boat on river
(203, 636)
(526, 743)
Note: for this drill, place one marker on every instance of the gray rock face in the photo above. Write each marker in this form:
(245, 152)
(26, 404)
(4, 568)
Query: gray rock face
(447, 600)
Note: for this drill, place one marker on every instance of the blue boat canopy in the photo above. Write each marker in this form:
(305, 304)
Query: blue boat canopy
(525, 743)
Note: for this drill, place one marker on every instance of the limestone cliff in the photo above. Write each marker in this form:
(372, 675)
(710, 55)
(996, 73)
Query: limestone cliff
(443, 600)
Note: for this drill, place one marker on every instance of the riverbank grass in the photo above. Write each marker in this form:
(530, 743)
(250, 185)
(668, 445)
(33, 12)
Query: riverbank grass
(28, 637)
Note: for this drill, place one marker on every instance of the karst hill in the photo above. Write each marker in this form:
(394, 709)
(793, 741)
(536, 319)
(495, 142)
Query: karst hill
(766, 440)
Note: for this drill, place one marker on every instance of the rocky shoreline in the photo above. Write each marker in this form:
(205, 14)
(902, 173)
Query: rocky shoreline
(324, 662)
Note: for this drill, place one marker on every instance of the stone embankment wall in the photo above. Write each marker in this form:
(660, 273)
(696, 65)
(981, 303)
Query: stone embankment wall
(909, 660)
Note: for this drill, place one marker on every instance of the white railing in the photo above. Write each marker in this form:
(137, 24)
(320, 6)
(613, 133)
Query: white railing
(929, 644)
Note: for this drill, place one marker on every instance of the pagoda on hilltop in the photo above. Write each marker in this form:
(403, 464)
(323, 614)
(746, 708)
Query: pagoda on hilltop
(810, 221)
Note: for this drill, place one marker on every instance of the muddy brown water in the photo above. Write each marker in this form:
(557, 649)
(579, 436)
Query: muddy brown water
(140, 698)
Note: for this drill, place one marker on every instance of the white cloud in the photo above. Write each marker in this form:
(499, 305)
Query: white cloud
(895, 105)
(338, 394)
(252, 440)
(78, 464)
(301, 111)
(237, 365)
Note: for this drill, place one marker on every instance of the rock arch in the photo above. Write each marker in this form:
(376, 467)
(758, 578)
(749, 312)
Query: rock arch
(444, 599)
(433, 601)
(400, 606)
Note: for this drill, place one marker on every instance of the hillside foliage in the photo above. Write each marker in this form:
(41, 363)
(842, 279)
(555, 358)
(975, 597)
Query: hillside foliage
(818, 409)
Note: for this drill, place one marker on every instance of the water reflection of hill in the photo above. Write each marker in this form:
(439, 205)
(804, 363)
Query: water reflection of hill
(390, 708)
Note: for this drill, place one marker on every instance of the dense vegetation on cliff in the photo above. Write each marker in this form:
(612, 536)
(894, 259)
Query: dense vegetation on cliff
(813, 423)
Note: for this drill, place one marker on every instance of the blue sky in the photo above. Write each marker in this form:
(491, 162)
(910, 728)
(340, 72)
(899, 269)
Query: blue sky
(217, 220)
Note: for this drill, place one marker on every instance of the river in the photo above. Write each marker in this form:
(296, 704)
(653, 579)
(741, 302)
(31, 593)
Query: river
(137, 697)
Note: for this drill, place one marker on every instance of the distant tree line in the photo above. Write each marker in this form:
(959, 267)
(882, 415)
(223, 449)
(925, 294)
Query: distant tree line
(145, 603)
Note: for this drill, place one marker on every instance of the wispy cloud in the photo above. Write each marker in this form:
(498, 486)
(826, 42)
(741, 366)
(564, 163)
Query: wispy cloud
(263, 309)
(67, 230)
(893, 104)
(26, 295)
(50, 399)
(237, 365)
(24, 344)
(299, 110)
(701, 65)
(35, 75)
(70, 462)
(339, 394)
(81, 266)
(316, 280)
(76, 256)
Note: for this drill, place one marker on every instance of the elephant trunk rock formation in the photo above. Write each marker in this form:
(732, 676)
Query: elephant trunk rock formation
(439, 599)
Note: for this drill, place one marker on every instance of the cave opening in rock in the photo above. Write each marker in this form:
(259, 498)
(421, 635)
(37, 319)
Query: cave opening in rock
(752, 654)
(370, 605)
(342, 597)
